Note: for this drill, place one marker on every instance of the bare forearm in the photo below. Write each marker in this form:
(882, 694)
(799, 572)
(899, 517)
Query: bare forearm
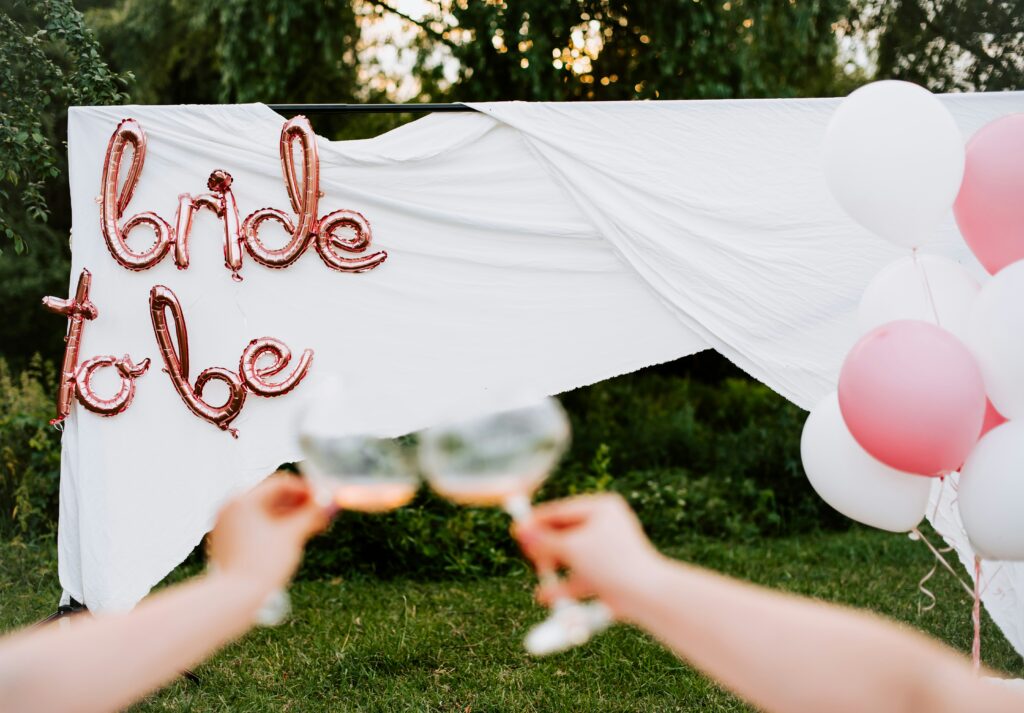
(792, 655)
(105, 663)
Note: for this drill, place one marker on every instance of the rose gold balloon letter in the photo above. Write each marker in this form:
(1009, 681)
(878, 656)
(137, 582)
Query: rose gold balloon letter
(255, 376)
(77, 380)
(114, 204)
(161, 299)
(304, 199)
(222, 202)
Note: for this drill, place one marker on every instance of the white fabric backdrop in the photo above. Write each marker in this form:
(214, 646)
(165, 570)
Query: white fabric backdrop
(548, 245)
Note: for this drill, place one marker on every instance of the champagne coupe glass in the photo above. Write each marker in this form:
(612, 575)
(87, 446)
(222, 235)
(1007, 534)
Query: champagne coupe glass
(500, 460)
(361, 473)
(347, 472)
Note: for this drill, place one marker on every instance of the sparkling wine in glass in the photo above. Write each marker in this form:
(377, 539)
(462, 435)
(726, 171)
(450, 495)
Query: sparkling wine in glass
(361, 473)
(349, 470)
(500, 460)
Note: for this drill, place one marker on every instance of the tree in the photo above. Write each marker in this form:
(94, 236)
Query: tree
(49, 60)
(633, 49)
(948, 45)
(229, 51)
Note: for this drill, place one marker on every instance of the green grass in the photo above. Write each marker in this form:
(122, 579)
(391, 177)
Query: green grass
(372, 645)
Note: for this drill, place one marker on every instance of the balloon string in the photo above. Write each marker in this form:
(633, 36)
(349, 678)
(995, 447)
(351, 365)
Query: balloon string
(927, 288)
(938, 497)
(925, 591)
(942, 560)
(976, 617)
(991, 579)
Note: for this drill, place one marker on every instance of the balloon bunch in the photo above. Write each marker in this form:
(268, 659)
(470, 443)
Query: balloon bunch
(940, 367)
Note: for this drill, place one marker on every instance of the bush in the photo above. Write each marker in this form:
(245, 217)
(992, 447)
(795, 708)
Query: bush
(714, 459)
(694, 458)
(732, 444)
(428, 539)
(674, 504)
(29, 451)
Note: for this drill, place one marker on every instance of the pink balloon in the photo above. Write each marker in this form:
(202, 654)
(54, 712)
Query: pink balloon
(913, 397)
(992, 418)
(989, 209)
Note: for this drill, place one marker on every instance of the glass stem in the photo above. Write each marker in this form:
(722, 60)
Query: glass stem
(520, 509)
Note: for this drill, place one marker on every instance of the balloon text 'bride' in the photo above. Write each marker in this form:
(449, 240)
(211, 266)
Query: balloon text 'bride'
(303, 188)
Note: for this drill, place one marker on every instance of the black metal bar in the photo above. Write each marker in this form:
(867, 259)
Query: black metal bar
(293, 109)
(72, 607)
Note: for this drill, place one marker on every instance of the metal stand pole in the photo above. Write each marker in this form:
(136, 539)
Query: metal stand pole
(311, 109)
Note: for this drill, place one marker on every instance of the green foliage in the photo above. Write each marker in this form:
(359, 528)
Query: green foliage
(693, 458)
(729, 446)
(430, 538)
(222, 51)
(673, 504)
(48, 61)
(949, 45)
(42, 269)
(29, 452)
(233, 50)
(274, 49)
(548, 50)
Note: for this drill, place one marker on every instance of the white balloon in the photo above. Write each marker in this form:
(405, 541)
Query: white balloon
(854, 483)
(991, 493)
(901, 291)
(894, 159)
(996, 337)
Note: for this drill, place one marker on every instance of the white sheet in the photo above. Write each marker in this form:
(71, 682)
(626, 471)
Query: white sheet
(494, 280)
(549, 245)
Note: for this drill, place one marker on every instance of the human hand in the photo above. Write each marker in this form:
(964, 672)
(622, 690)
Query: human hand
(599, 540)
(259, 536)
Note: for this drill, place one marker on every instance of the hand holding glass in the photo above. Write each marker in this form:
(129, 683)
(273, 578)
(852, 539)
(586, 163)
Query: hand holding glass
(347, 472)
(500, 460)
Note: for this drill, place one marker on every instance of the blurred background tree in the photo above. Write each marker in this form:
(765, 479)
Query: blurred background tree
(559, 50)
(232, 51)
(948, 45)
(49, 60)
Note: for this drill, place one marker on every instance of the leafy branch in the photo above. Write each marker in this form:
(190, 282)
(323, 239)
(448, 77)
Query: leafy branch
(48, 61)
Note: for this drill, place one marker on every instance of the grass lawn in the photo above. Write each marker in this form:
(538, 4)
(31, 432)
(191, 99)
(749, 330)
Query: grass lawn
(372, 645)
